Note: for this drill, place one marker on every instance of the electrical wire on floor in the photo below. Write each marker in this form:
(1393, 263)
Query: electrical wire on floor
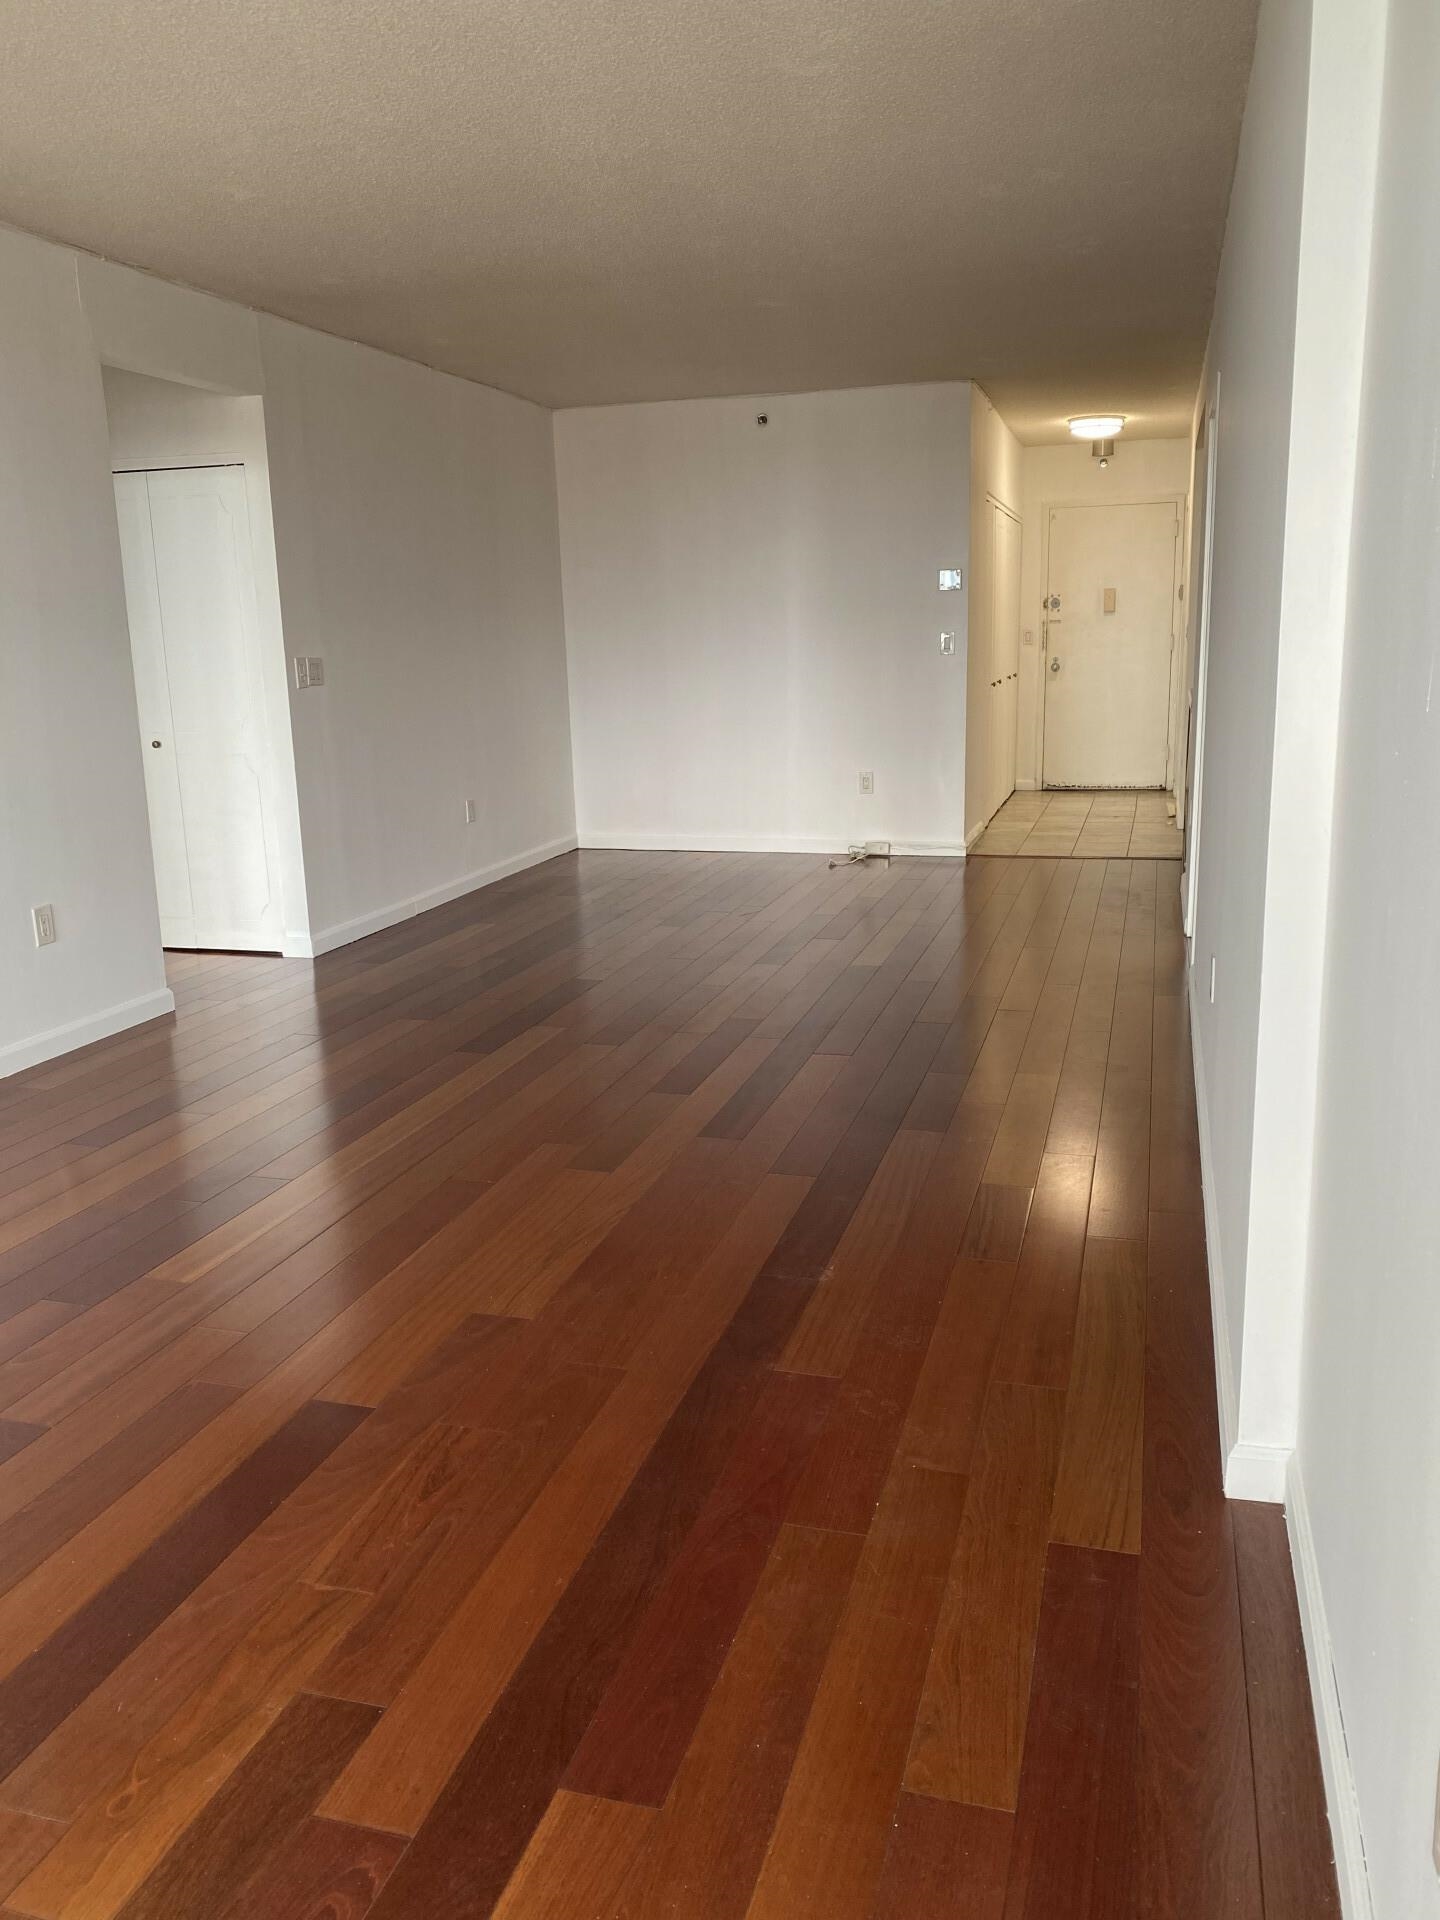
(857, 856)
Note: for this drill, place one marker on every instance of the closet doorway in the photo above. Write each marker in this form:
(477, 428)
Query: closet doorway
(190, 596)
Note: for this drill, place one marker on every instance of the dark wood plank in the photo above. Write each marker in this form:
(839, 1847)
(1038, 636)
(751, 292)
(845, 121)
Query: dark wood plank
(38, 1694)
(944, 1861)
(1297, 1867)
(970, 1726)
(1199, 1851)
(703, 1855)
(637, 1739)
(828, 1847)
(324, 1871)
(256, 1812)
(1076, 1839)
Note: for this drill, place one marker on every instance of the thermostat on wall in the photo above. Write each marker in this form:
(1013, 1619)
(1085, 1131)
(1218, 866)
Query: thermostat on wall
(951, 579)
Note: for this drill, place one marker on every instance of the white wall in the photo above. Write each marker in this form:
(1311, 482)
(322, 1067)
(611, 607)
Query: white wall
(73, 824)
(1367, 1471)
(753, 618)
(1252, 345)
(415, 531)
(160, 423)
(417, 556)
(1069, 475)
(996, 460)
(416, 537)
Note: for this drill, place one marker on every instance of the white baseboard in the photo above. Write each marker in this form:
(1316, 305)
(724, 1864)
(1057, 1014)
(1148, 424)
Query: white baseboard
(1340, 1796)
(645, 840)
(974, 834)
(1254, 1472)
(1027, 786)
(299, 946)
(40, 1047)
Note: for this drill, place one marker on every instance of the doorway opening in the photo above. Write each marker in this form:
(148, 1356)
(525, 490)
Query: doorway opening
(209, 663)
(1112, 583)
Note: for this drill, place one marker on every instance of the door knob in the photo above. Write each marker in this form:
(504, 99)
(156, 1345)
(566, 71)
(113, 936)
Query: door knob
(1054, 663)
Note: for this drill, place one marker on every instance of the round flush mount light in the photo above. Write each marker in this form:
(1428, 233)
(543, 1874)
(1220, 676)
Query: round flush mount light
(1096, 426)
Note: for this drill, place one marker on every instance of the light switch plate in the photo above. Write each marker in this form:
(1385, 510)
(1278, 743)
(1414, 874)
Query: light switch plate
(302, 673)
(317, 671)
(947, 643)
(44, 923)
(951, 579)
(867, 783)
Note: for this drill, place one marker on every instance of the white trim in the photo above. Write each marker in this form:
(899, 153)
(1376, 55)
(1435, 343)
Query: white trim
(1027, 786)
(647, 840)
(1341, 1798)
(975, 832)
(82, 1033)
(1219, 1318)
(300, 946)
(1195, 766)
(1254, 1472)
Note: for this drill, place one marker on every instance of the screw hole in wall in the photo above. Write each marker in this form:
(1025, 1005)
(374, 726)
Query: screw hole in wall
(762, 419)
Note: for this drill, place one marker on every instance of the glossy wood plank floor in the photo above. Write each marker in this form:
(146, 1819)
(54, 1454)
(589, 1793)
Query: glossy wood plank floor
(677, 1386)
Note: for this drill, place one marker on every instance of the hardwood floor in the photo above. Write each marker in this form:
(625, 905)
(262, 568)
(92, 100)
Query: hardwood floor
(1067, 823)
(678, 1387)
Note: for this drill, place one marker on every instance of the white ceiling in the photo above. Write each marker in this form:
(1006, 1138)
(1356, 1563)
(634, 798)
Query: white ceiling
(601, 200)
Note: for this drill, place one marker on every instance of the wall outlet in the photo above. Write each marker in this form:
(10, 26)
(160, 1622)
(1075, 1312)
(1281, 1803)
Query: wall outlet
(867, 783)
(44, 919)
(469, 813)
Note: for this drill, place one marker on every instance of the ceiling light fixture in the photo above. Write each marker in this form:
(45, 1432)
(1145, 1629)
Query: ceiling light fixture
(1096, 426)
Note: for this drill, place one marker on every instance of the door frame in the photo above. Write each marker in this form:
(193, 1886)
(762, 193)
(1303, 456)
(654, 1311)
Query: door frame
(997, 505)
(250, 627)
(1197, 682)
(1145, 499)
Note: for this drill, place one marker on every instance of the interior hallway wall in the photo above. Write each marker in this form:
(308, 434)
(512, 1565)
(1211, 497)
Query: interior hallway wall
(74, 831)
(417, 556)
(1252, 347)
(1366, 1478)
(753, 618)
(1070, 475)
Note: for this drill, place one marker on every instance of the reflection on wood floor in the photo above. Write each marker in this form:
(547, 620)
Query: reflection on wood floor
(677, 1386)
(1065, 824)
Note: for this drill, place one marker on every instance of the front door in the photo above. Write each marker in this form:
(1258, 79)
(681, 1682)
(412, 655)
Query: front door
(1109, 627)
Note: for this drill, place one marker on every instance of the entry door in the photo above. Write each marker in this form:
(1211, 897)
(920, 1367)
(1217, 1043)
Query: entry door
(185, 548)
(1109, 623)
(1004, 651)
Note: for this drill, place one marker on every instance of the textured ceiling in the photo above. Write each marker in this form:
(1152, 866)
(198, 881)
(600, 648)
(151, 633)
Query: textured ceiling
(602, 200)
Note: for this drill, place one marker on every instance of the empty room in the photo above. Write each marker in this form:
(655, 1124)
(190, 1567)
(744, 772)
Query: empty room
(719, 899)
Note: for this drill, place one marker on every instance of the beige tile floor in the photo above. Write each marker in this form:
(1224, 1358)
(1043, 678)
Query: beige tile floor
(1124, 825)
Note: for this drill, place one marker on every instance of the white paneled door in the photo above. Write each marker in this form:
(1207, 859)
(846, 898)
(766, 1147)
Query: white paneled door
(1109, 629)
(185, 545)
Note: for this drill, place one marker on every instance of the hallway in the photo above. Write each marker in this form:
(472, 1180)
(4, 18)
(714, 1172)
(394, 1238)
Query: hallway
(1068, 823)
(677, 1385)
